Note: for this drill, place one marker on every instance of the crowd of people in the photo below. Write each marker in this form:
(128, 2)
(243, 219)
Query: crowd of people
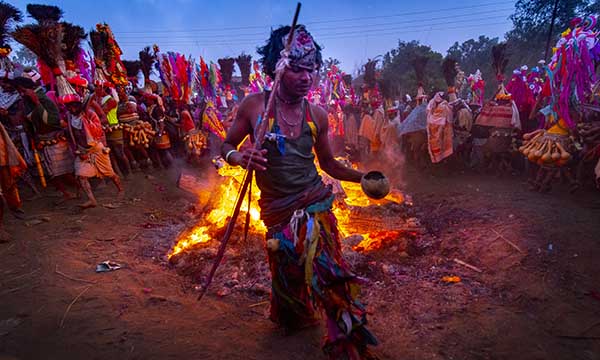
(79, 116)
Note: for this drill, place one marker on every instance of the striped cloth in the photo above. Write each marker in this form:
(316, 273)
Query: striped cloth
(57, 159)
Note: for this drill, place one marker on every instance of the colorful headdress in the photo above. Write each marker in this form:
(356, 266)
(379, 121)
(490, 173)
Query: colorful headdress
(571, 72)
(176, 75)
(72, 51)
(450, 72)
(133, 68)
(45, 39)
(477, 88)
(147, 59)
(303, 50)
(519, 89)
(107, 56)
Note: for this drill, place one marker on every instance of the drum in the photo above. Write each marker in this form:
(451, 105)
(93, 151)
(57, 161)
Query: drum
(162, 141)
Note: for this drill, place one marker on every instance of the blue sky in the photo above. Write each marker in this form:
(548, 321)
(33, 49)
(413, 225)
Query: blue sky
(351, 31)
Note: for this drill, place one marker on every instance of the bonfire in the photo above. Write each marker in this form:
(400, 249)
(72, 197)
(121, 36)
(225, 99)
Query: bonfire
(375, 221)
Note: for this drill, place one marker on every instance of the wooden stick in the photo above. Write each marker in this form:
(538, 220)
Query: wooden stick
(62, 321)
(134, 236)
(72, 278)
(260, 134)
(509, 242)
(474, 268)
(259, 304)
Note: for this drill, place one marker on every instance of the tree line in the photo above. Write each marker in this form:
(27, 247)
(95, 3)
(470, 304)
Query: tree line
(526, 44)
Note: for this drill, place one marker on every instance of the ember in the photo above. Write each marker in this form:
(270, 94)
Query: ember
(380, 239)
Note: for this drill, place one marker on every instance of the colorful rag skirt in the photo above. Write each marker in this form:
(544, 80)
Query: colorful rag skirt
(310, 277)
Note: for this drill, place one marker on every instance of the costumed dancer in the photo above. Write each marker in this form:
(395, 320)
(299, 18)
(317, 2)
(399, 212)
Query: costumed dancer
(12, 164)
(571, 76)
(44, 39)
(113, 128)
(12, 116)
(92, 159)
(373, 115)
(160, 151)
(497, 122)
(439, 128)
(137, 134)
(477, 88)
(11, 104)
(461, 113)
(523, 97)
(106, 96)
(308, 270)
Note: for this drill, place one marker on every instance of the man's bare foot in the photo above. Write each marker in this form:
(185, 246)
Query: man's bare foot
(88, 204)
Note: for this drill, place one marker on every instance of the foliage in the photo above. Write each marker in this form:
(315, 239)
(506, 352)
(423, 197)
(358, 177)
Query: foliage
(398, 75)
(531, 23)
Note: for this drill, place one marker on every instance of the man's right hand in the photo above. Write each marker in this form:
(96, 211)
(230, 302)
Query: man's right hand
(255, 157)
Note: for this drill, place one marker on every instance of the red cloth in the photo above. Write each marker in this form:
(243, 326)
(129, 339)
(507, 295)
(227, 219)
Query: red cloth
(187, 123)
(93, 125)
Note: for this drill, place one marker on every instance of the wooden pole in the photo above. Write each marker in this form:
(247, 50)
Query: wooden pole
(262, 129)
(551, 29)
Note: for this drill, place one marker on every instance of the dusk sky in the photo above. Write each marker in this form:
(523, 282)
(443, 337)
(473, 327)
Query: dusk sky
(351, 31)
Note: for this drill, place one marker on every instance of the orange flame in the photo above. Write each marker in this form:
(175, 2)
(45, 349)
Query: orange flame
(224, 196)
(226, 193)
(379, 239)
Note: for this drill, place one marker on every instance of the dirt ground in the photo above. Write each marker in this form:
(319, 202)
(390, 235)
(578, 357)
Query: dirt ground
(536, 294)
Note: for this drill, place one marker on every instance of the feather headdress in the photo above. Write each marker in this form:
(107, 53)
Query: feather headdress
(419, 62)
(72, 51)
(499, 60)
(98, 41)
(449, 70)
(45, 39)
(147, 59)
(370, 73)
(226, 66)
(244, 62)
(8, 15)
(107, 54)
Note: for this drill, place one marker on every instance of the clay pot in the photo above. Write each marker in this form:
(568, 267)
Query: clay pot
(375, 185)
